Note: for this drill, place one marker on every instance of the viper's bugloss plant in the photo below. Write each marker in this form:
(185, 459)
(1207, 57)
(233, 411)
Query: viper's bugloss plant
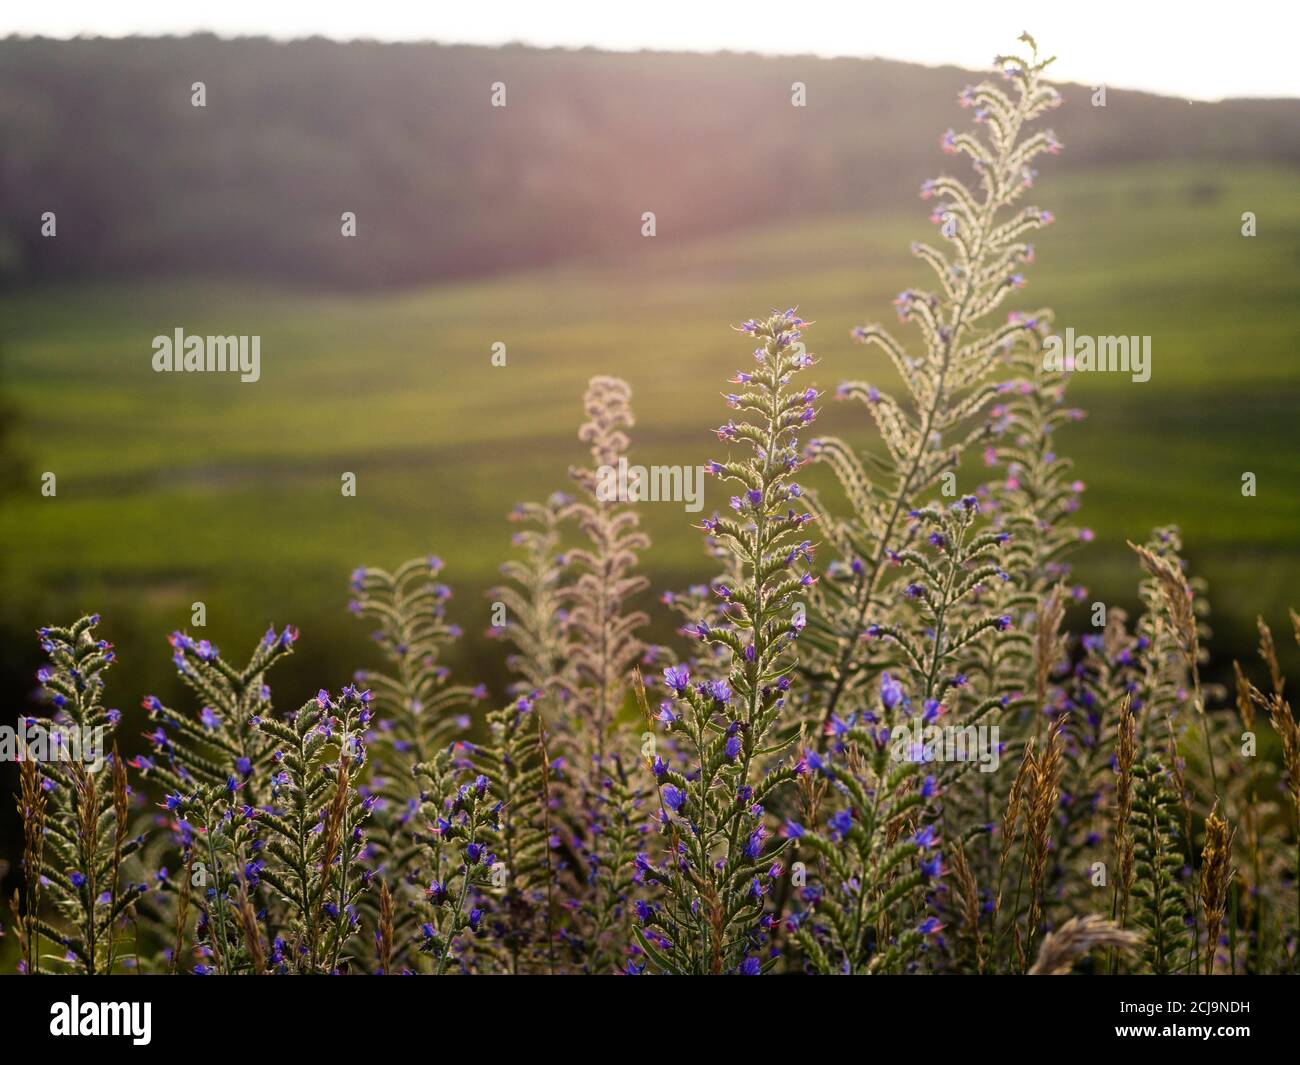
(930, 595)
(535, 619)
(418, 713)
(313, 829)
(597, 793)
(721, 857)
(899, 753)
(211, 765)
(515, 761)
(1159, 903)
(221, 743)
(461, 823)
(418, 709)
(74, 803)
(949, 381)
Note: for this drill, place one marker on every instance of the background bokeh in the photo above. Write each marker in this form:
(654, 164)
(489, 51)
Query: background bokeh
(523, 225)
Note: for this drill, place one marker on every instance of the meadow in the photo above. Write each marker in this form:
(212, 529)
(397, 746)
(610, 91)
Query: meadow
(626, 808)
(181, 488)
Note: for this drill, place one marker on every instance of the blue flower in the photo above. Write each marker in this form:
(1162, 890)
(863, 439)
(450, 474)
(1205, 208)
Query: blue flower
(677, 678)
(930, 926)
(891, 692)
(841, 822)
(719, 691)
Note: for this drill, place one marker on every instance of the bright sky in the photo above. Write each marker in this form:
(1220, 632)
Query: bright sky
(1196, 49)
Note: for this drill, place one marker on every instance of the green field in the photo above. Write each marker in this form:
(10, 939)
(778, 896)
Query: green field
(176, 488)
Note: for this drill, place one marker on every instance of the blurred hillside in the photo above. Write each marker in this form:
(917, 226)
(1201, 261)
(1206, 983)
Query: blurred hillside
(181, 488)
(445, 186)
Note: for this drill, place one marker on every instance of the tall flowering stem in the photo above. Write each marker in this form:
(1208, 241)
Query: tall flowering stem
(596, 790)
(463, 823)
(721, 865)
(220, 743)
(949, 383)
(514, 761)
(605, 643)
(416, 703)
(418, 713)
(214, 765)
(82, 811)
(313, 826)
(534, 595)
(31, 809)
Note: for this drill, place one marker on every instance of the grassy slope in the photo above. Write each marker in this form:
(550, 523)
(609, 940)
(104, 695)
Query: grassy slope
(183, 487)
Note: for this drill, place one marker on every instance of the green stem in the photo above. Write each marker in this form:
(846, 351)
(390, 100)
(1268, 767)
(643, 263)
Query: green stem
(455, 920)
(221, 912)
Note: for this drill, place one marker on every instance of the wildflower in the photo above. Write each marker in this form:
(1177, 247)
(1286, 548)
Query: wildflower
(840, 823)
(677, 678)
(719, 691)
(891, 692)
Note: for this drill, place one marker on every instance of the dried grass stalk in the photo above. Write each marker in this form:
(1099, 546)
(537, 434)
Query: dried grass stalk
(1216, 875)
(1077, 937)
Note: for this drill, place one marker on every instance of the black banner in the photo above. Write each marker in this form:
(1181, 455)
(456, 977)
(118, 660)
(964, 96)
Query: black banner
(148, 1015)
